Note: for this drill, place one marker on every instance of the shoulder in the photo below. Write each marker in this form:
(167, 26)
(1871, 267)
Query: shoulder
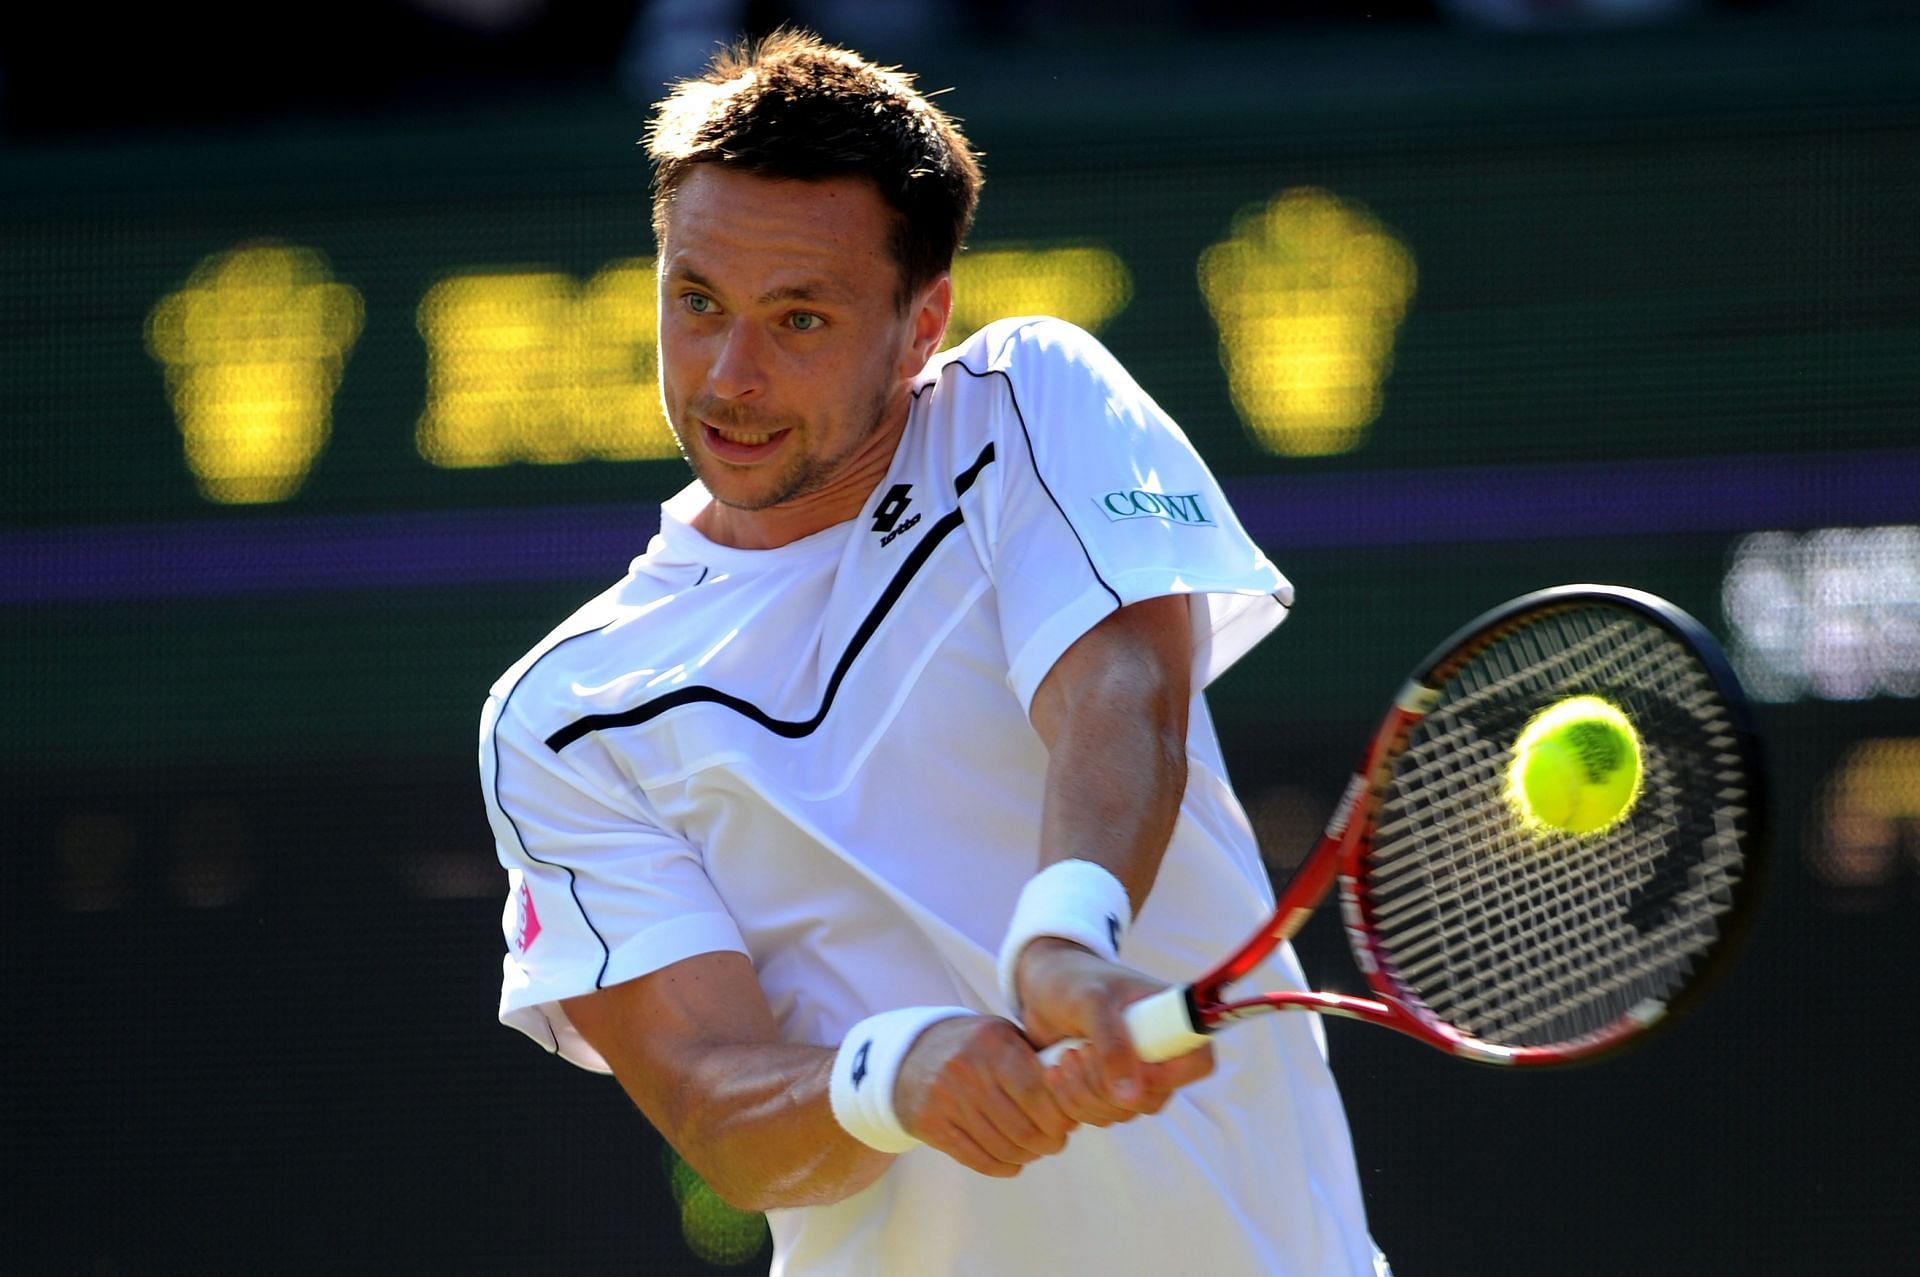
(1030, 346)
(1034, 377)
(540, 685)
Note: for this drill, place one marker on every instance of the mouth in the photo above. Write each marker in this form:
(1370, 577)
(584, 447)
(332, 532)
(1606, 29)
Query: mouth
(740, 446)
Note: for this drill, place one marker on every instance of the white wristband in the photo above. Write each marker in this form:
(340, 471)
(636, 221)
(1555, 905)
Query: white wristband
(868, 1065)
(1075, 900)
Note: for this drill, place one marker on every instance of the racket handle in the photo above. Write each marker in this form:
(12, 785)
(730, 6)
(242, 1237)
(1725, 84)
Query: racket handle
(1161, 1027)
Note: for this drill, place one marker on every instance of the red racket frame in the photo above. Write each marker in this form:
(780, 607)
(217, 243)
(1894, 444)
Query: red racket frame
(1349, 834)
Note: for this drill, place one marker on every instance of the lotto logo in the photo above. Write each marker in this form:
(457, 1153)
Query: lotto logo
(891, 507)
(886, 517)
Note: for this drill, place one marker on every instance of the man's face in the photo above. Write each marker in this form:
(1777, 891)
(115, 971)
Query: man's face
(785, 355)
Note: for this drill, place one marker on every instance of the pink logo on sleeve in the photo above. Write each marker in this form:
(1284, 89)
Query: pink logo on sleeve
(529, 929)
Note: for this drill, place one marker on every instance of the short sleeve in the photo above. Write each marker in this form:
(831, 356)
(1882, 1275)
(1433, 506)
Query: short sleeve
(597, 893)
(1103, 502)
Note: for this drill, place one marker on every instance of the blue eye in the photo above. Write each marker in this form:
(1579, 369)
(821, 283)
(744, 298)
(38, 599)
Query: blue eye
(699, 303)
(805, 321)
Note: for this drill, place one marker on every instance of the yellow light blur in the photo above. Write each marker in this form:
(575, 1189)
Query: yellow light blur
(1082, 285)
(537, 367)
(1307, 293)
(254, 346)
(1871, 802)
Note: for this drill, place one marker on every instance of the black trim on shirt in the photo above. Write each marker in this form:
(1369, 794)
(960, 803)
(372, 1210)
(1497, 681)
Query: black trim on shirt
(794, 728)
(573, 883)
(1013, 397)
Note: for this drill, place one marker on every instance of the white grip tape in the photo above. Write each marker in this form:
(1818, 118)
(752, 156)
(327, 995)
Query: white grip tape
(1160, 1027)
(868, 1065)
(1075, 900)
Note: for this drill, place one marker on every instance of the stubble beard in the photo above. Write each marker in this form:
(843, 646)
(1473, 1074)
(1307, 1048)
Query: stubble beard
(805, 472)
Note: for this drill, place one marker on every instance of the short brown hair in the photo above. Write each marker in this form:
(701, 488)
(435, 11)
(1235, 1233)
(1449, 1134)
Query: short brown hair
(792, 106)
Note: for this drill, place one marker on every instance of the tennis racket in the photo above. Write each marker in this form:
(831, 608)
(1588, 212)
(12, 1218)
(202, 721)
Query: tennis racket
(1485, 938)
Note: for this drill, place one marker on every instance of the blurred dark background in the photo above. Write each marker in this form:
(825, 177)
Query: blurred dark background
(325, 392)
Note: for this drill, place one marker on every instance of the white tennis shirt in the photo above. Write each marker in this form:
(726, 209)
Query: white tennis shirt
(819, 755)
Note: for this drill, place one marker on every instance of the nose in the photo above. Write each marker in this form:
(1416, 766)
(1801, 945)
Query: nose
(738, 370)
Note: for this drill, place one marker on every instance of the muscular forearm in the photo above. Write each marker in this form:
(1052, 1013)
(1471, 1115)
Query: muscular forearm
(755, 1121)
(696, 1047)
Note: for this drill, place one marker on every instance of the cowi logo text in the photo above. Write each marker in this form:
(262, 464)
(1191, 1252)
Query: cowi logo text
(1138, 503)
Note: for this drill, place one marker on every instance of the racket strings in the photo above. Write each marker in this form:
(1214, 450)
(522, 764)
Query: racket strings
(1523, 938)
(1531, 967)
(1544, 941)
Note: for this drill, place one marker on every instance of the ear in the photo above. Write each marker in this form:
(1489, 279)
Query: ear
(930, 310)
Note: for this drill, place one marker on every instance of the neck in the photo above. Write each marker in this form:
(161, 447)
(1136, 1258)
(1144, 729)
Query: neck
(835, 501)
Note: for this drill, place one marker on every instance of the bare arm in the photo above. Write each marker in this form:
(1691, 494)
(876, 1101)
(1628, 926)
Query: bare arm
(696, 1047)
(1113, 714)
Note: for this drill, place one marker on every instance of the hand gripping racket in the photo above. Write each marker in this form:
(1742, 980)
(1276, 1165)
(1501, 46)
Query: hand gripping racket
(1485, 938)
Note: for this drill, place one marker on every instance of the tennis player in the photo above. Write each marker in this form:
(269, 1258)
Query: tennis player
(888, 763)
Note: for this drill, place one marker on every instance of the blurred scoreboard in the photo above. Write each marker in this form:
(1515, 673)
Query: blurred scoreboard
(301, 397)
(461, 317)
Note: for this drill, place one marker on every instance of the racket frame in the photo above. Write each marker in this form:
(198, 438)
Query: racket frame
(1340, 853)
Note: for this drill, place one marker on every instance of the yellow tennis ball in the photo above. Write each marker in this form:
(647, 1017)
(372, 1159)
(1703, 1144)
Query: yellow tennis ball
(1575, 767)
